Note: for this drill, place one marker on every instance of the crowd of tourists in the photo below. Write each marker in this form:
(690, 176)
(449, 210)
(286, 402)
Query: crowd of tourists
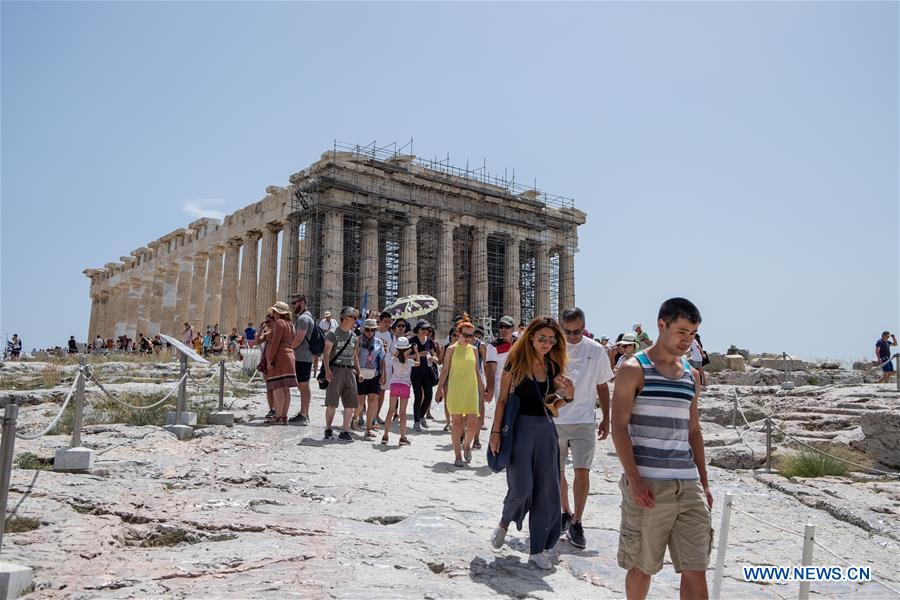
(547, 379)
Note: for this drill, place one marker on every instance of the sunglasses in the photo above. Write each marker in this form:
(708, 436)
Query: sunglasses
(468, 336)
(573, 331)
(543, 339)
(369, 329)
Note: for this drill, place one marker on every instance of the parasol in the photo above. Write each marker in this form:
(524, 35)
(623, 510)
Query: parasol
(410, 307)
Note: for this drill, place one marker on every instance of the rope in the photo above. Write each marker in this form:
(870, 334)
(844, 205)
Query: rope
(58, 415)
(746, 514)
(847, 562)
(245, 386)
(132, 406)
(199, 383)
(813, 448)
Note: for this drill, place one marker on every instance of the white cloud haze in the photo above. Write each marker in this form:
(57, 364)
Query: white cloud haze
(202, 208)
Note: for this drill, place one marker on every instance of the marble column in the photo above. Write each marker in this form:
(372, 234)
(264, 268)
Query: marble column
(305, 255)
(228, 310)
(198, 292)
(333, 263)
(409, 251)
(170, 292)
(213, 298)
(103, 316)
(143, 308)
(512, 276)
(157, 288)
(118, 304)
(248, 285)
(479, 306)
(566, 279)
(93, 323)
(290, 251)
(132, 304)
(369, 262)
(268, 270)
(445, 276)
(542, 281)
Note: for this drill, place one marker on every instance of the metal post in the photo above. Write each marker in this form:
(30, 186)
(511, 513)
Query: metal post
(7, 448)
(768, 445)
(221, 385)
(722, 547)
(809, 538)
(79, 403)
(897, 370)
(182, 389)
(785, 357)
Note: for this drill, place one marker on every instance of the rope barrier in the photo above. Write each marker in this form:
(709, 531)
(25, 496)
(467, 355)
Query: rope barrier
(132, 406)
(199, 383)
(245, 386)
(861, 376)
(55, 420)
(848, 563)
(755, 518)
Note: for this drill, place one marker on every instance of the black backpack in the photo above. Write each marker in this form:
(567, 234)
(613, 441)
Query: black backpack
(316, 339)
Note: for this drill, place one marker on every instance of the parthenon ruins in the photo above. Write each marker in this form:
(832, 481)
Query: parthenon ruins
(360, 227)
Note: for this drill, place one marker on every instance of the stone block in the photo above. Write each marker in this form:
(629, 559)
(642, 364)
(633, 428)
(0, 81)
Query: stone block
(187, 418)
(882, 436)
(221, 418)
(735, 362)
(15, 580)
(182, 432)
(73, 459)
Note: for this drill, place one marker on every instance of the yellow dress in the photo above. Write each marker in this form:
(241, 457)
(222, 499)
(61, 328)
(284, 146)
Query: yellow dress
(462, 387)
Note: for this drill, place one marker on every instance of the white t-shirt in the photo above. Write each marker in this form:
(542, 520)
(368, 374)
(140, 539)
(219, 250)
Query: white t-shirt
(588, 367)
(695, 352)
(387, 338)
(400, 372)
(327, 325)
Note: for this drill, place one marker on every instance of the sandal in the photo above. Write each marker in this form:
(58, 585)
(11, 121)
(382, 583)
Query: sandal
(369, 434)
(404, 442)
(384, 440)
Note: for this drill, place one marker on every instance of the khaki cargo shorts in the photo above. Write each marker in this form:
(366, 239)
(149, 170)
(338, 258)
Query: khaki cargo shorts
(680, 521)
(581, 439)
(342, 388)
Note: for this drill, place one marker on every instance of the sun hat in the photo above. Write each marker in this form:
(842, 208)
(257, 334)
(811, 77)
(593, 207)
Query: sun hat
(281, 308)
(635, 326)
(327, 314)
(627, 339)
(403, 343)
(603, 337)
(422, 324)
(370, 323)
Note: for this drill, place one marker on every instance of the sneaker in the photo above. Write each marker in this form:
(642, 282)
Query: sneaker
(467, 456)
(396, 418)
(540, 561)
(361, 422)
(564, 525)
(298, 418)
(384, 441)
(345, 436)
(424, 423)
(417, 426)
(379, 420)
(328, 435)
(498, 537)
(369, 434)
(459, 462)
(447, 427)
(576, 535)
(271, 413)
(476, 445)
(404, 442)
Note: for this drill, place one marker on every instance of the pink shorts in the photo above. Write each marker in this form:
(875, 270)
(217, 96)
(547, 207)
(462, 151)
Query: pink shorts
(400, 389)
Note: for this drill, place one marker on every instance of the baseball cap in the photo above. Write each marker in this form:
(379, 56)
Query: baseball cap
(507, 320)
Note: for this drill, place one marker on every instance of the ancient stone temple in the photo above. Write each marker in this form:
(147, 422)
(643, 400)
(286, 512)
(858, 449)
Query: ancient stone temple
(361, 227)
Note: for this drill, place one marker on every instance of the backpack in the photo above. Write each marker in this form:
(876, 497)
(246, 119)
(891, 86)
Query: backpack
(316, 339)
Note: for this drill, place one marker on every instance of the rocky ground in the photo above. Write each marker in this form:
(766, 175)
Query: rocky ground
(253, 510)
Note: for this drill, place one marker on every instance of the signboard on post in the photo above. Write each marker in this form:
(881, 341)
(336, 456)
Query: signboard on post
(184, 349)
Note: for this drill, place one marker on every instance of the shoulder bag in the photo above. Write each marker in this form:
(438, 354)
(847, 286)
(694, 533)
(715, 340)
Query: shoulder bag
(320, 378)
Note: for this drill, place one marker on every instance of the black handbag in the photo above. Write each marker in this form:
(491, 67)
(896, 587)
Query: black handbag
(498, 462)
(320, 378)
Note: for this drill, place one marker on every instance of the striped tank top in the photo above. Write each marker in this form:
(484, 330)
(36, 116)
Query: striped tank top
(659, 424)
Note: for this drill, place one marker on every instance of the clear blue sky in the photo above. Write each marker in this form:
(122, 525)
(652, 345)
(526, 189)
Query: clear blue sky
(744, 155)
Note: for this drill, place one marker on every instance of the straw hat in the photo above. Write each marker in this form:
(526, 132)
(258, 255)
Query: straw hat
(281, 308)
(402, 343)
(627, 339)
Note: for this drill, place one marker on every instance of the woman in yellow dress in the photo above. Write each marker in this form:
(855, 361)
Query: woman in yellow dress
(462, 387)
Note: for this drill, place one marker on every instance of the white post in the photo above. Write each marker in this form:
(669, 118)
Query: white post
(734, 411)
(809, 537)
(15, 579)
(722, 547)
(768, 445)
(76, 458)
(221, 416)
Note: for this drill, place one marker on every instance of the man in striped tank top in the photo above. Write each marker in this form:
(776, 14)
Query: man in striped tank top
(666, 500)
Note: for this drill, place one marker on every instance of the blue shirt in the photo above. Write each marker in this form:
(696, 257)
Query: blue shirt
(249, 334)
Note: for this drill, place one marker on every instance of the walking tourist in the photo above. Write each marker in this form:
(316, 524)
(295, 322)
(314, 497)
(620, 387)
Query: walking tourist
(341, 372)
(403, 359)
(590, 372)
(464, 388)
(627, 346)
(666, 500)
(303, 326)
(534, 368)
(386, 336)
(641, 337)
(370, 356)
(883, 353)
(187, 336)
(423, 379)
(502, 345)
(327, 324)
(265, 330)
(279, 356)
(696, 355)
(452, 338)
(72, 345)
(99, 344)
(249, 335)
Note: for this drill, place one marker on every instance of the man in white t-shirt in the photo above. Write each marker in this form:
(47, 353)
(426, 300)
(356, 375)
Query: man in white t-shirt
(386, 336)
(589, 368)
(502, 345)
